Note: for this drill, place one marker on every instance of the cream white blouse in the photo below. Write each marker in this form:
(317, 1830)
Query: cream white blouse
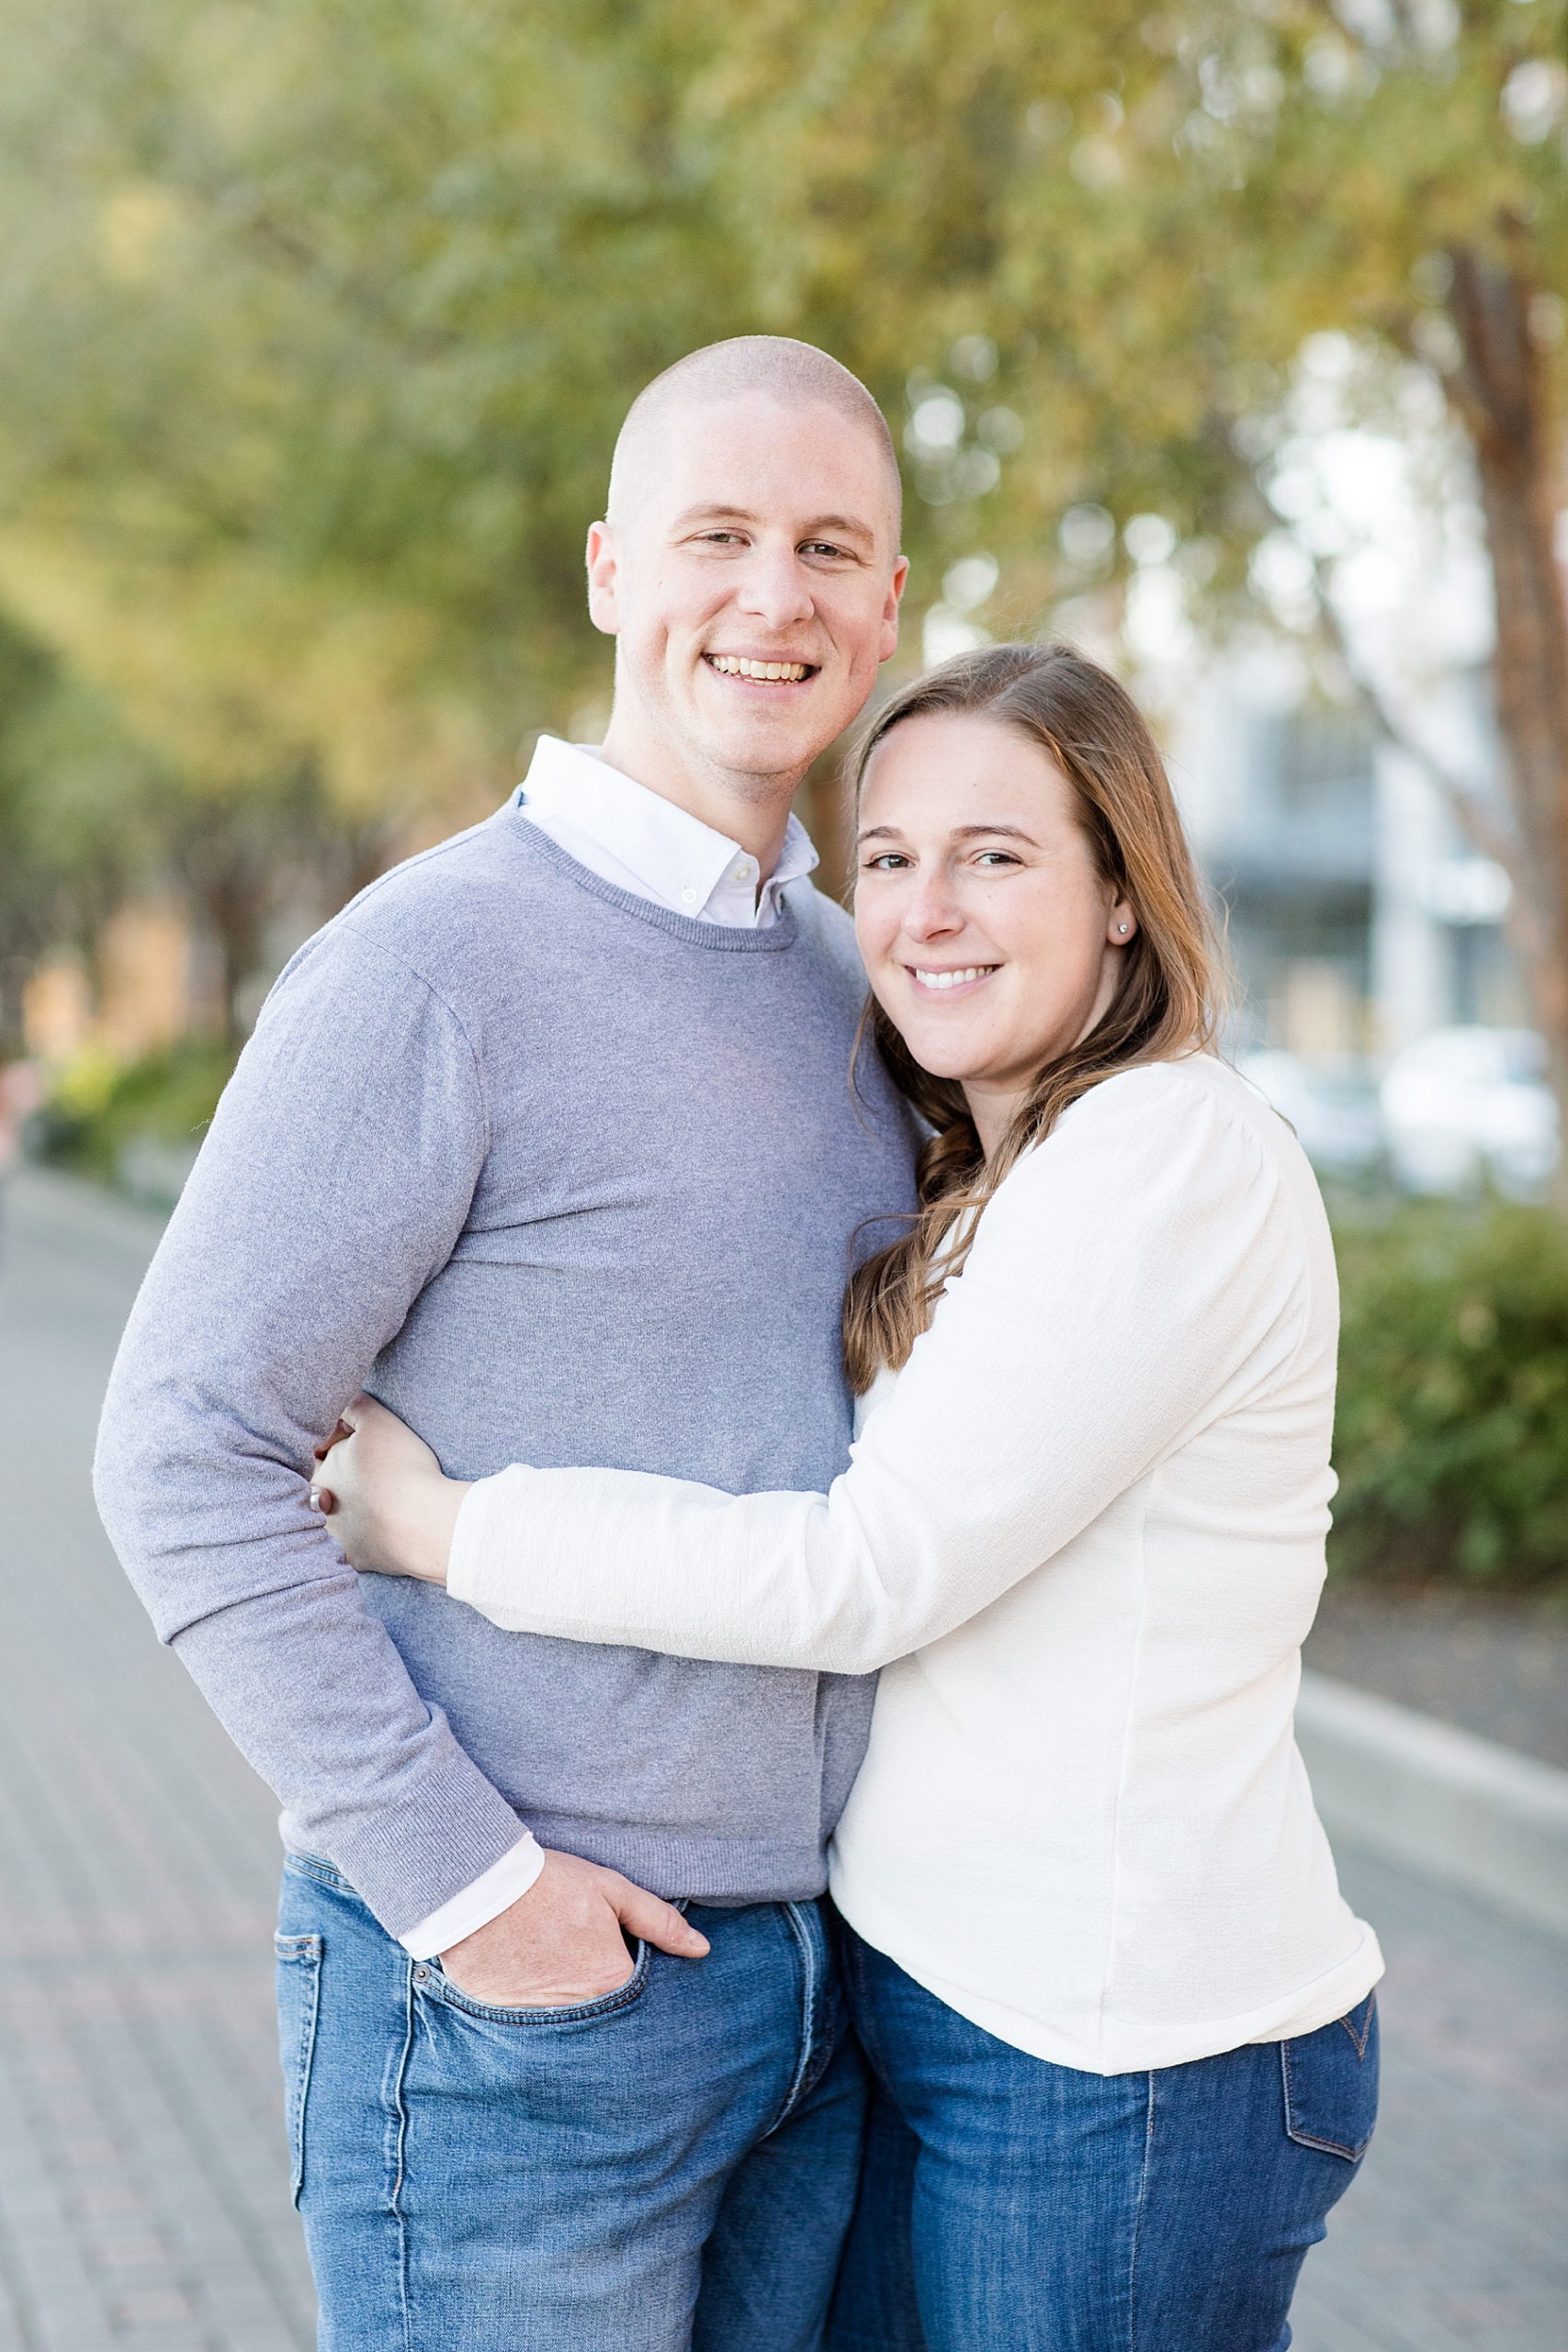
(1082, 1534)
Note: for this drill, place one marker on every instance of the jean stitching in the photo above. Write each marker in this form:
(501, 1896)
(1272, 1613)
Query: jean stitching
(1330, 2147)
(802, 1935)
(295, 1951)
(1360, 2040)
(400, 2148)
(1138, 2220)
(312, 1866)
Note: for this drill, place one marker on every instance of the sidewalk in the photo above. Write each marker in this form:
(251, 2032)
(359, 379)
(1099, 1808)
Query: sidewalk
(143, 2193)
(1494, 1666)
(143, 2185)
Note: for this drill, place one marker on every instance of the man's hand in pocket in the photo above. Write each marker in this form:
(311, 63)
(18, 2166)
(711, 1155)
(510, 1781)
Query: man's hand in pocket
(562, 1943)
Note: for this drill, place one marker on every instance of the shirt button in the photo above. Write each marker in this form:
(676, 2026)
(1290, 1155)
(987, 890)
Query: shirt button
(688, 897)
(742, 873)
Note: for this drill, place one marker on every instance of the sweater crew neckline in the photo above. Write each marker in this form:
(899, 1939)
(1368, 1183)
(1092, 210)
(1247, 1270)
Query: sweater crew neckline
(725, 939)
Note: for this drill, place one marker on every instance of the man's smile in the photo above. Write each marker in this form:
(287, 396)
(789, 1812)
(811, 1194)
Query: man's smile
(761, 671)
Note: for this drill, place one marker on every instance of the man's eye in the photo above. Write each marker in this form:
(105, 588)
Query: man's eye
(822, 546)
(721, 539)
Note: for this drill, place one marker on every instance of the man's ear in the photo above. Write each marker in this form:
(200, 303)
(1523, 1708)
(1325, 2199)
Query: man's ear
(604, 608)
(890, 610)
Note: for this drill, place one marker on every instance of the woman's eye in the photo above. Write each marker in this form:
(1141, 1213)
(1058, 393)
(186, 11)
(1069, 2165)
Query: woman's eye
(888, 863)
(994, 857)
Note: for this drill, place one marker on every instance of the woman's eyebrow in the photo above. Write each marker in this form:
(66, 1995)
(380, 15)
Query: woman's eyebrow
(959, 833)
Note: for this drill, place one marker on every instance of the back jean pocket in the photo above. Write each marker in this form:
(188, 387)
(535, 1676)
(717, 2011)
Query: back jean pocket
(299, 1996)
(1331, 2083)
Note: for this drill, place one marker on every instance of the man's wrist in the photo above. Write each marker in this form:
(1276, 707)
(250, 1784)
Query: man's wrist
(493, 1892)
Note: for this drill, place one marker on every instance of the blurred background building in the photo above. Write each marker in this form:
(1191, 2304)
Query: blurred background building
(1359, 918)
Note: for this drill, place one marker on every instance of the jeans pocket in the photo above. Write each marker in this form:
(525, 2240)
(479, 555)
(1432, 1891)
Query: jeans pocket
(1331, 2083)
(433, 1981)
(298, 1997)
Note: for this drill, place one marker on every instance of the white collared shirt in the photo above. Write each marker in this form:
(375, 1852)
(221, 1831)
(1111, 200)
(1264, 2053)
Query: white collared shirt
(644, 844)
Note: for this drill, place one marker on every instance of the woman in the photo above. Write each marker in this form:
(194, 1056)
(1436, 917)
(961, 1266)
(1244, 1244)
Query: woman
(1121, 2021)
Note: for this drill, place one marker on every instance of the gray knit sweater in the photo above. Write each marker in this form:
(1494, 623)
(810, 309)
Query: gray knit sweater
(565, 1178)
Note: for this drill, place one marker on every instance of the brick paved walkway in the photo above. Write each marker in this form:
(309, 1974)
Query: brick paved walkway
(143, 2183)
(143, 2198)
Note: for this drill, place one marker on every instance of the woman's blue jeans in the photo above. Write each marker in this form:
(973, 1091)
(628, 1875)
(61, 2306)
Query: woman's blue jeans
(1020, 2207)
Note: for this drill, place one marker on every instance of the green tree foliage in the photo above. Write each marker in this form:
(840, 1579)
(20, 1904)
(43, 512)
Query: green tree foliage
(317, 321)
(79, 814)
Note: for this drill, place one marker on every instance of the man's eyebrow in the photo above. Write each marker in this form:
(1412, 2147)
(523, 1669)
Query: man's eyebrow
(705, 514)
(846, 525)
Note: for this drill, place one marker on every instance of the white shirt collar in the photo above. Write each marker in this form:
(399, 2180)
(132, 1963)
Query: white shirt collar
(643, 842)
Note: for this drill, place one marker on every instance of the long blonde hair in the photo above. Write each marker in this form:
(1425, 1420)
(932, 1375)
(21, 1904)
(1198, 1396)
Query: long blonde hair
(1168, 1003)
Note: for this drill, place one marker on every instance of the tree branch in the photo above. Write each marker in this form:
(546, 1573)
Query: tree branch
(1484, 825)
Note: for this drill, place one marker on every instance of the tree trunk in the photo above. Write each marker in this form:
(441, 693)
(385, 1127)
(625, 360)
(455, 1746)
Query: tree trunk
(1502, 395)
(230, 871)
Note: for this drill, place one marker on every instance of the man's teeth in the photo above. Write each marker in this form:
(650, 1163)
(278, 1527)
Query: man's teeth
(736, 665)
(951, 979)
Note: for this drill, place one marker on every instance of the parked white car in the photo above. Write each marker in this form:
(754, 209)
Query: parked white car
(1337, 1119)
(1461, 1102)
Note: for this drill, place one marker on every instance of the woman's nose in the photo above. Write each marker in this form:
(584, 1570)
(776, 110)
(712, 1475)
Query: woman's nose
(932, 911)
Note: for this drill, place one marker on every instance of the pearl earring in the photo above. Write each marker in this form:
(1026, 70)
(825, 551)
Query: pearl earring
(1121, 927)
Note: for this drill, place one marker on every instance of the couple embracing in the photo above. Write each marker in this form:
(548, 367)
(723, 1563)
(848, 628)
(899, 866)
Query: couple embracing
(809, 1443)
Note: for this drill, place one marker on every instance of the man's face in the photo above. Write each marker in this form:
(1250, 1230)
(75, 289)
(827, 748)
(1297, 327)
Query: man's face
(754, 537)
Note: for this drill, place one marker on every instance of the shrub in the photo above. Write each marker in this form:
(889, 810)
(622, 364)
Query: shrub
(98, 1107)
(1451, 1436)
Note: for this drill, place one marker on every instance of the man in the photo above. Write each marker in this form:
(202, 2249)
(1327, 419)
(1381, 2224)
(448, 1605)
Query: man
(547, 1140)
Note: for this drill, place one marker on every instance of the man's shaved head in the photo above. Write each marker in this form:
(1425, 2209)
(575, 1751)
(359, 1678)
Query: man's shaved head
(796, 375)
(749, 570)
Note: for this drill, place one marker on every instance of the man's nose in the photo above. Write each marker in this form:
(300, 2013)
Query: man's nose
(776, 590)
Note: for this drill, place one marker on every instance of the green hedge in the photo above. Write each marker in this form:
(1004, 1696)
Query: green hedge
(1451, 1436)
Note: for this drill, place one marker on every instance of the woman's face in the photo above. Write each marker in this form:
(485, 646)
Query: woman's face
(990, 939)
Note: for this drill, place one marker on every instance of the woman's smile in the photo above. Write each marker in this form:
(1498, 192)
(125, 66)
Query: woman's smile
(963, 979)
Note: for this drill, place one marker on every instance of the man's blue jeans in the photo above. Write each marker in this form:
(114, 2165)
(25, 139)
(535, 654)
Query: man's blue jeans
(674, 2164)
(1019, 2207)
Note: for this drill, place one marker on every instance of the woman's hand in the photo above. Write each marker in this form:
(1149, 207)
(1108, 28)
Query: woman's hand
(392, 1510)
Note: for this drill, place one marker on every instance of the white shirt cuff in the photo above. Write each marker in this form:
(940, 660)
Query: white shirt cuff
(493, 1892)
